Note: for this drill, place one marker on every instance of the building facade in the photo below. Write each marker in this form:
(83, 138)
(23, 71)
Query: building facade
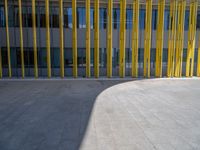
(94, 38)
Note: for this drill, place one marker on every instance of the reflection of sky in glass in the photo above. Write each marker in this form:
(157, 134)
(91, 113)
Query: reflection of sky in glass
(198, 20)
(92, 18)
(102, 18)
(2, 19)
(142, 18)
(116, 18)
(69, 13)
(129, 17)
(166, 20)
(81, 15)
(154, 19)
(187, 15)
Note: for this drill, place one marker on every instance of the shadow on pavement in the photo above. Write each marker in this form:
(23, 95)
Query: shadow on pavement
(47, 115)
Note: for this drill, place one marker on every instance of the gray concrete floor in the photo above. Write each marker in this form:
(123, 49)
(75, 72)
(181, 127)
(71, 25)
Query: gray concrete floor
(154, 114)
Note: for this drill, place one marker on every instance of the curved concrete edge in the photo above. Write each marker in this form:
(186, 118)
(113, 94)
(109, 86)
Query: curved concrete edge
(149, 114)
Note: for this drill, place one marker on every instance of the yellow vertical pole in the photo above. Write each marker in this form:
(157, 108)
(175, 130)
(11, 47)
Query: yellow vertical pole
(135, 36)
(48, 39)
(172, 38)
(198, 60)
(159, 38)
(191, 38)
(62, 70)
(34, 39)
(147, 42)
(8, 39)
(96, 38)
(21, 38)
(88, 38)
(122, 42)
(109, 39)
(74, 38)
(1, 75)
(180, 38)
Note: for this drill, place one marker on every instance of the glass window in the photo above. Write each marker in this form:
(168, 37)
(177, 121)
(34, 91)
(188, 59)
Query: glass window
(103, 18)
(198, 20)
(2, 17)
(116, 18)
(129, 16)
(42, 58)
(55, 57)
(166, 20)
(4, 55)
(115, 58)
(153, 55)
(37, 11)
(187, 15)
(128, 58)
(68, 58)
(68, 17)
(24, 16)
(11, 16)
(140, 55)
(165, 55)
(17, 17)
(42, 17)
(66, 25)
(29, 17)
(154, 19)
(102, 57)
(81, 57)
(19, 57)
(28, 58)
(92, 57)
(92, 18)
(142, 18)
(13, 57)
(54, 17)
(81, 18)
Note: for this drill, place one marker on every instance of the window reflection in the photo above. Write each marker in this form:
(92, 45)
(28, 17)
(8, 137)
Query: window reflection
(68, 17)
(129, 17)
(68, 58)
(54, 17)
(154, 19)
(142, 19)
(187, 16)
(116, 18)
(42, 17)
(166, 20)
(198, 20)
(103, 18)
(102, 58)
(2, 17)
(81, 18)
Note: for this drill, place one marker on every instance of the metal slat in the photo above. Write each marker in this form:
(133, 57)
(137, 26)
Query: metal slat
(96, 39)
(62, 67)
(88, 38)
(191, 38)
(109, 39)
(159, 38)
(147, 41)
(135, 34)
(122, 38)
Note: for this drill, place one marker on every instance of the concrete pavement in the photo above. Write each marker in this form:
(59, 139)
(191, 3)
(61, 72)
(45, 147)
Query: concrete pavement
(153, 114)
